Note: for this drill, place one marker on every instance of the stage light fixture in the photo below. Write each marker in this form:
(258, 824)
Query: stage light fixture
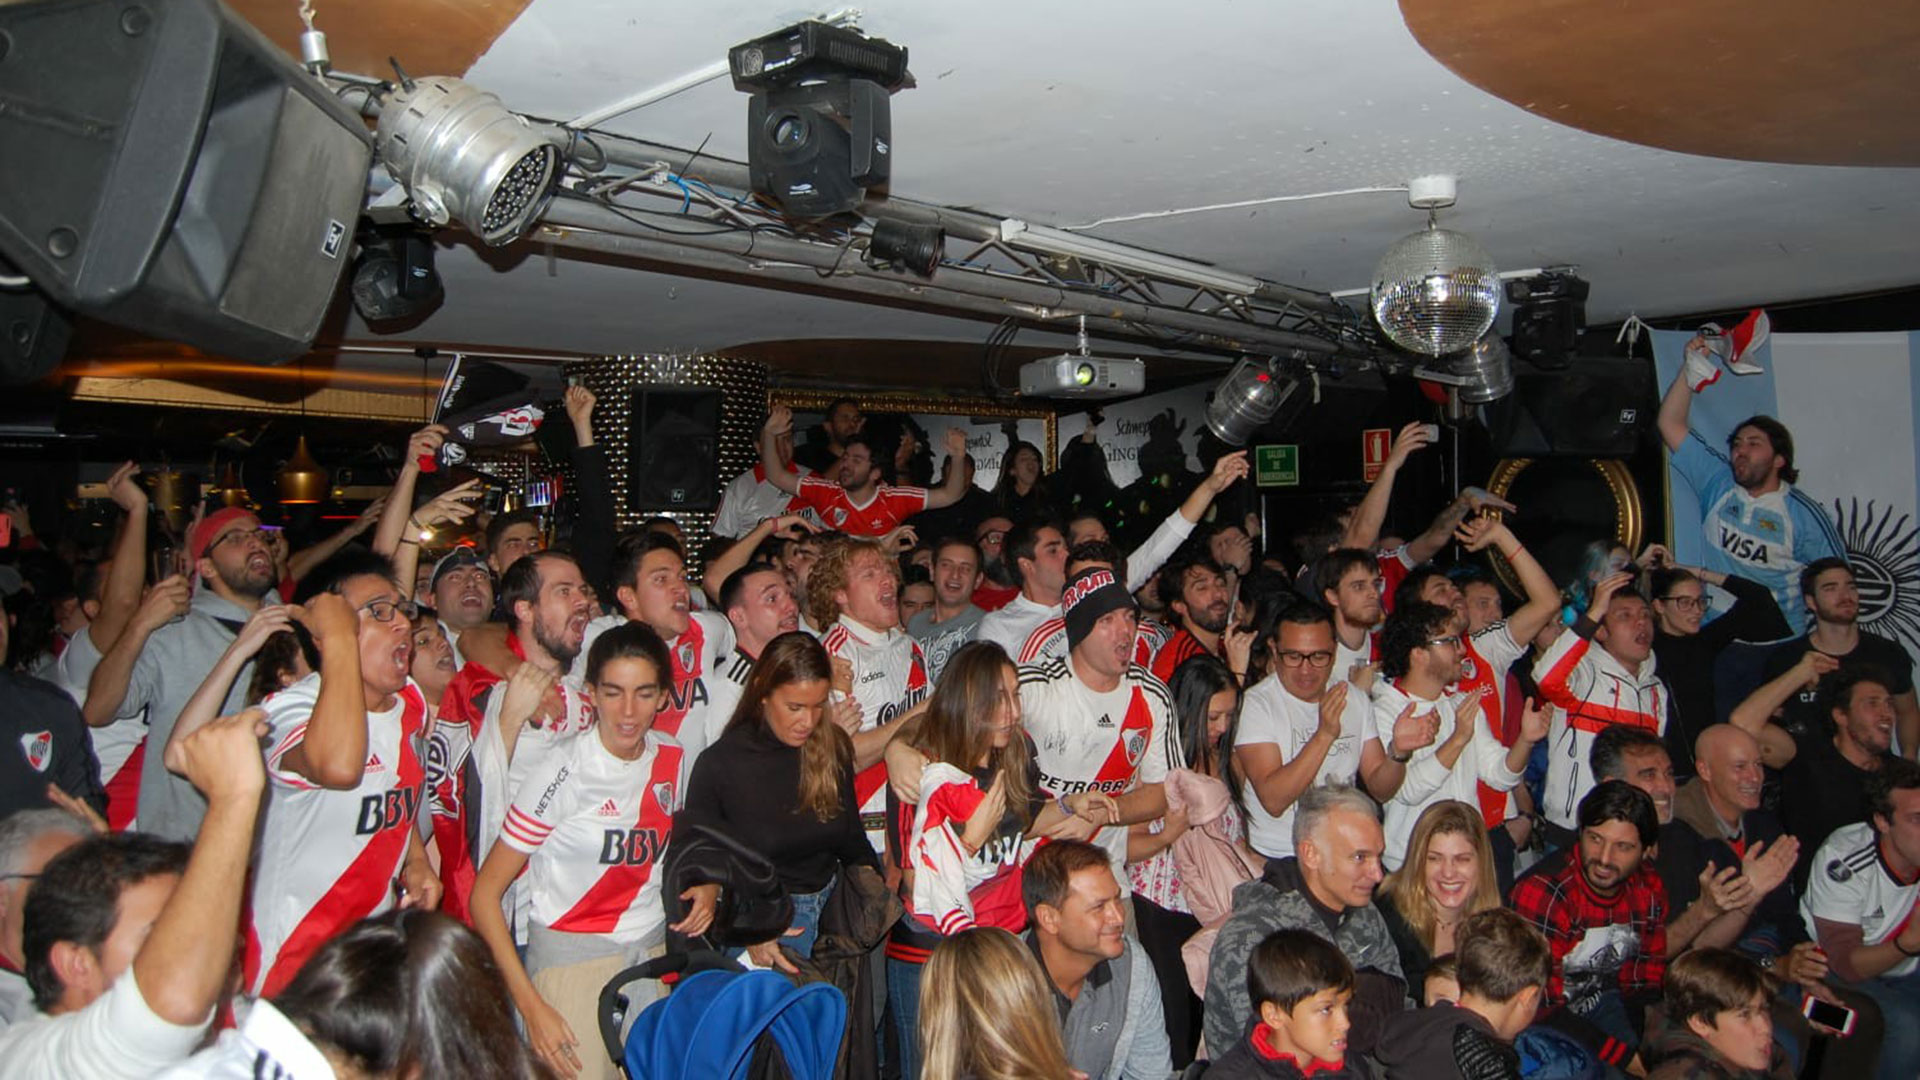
(464, 156)
(1549, 311)
(819, 126)
(1435, 291)
(1246, 399)
(393, 276)
(1050, 241)
(1486, 370)
(916, 248)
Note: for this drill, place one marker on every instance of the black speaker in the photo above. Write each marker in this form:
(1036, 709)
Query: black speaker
(33, 335)
(815, 149)
(671, 450)
(1598, 407)
(169, 169)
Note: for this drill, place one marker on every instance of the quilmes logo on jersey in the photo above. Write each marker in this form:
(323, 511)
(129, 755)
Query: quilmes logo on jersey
(1883, 548)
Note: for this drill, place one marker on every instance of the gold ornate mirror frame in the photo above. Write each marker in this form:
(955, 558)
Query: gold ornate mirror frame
(1629, 518)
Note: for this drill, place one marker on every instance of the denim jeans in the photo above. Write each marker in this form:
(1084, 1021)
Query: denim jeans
(806, 915)
(903, 997)
(1899, 1000)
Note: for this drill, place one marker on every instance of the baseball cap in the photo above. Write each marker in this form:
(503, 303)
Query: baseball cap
(209, 529)
(456, 559)
(1092, 593)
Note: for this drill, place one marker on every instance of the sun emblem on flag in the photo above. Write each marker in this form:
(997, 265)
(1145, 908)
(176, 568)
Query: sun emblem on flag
(1884, 550)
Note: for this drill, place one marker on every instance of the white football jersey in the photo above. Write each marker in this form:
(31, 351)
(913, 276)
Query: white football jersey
(1851, 883)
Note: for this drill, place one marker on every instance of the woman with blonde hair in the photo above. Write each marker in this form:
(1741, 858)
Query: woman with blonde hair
(779, 780)
(987, 1012)
(1447, 876)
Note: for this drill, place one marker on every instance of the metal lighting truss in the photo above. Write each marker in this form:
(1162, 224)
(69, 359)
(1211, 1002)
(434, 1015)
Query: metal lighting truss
(668, 209)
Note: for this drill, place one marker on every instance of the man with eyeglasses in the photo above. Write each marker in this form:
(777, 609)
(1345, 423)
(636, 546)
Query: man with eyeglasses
(1421, 652)
(1832, 603)
(1299, 728)
(1686, 644)
(346, 770)
(159, 662)
(855, 498)
(1617, 683)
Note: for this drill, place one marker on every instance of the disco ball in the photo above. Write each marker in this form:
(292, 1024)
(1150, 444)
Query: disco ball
(1435, 291)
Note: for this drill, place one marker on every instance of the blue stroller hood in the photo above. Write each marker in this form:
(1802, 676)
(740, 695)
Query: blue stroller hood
(707, 1027)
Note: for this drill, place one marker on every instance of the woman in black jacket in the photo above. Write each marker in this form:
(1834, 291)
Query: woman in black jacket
(1686, 645)
(780, 780)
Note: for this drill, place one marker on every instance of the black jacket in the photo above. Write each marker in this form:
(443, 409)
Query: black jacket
(1253, 1059)
(1445, 1042)
(44, 741)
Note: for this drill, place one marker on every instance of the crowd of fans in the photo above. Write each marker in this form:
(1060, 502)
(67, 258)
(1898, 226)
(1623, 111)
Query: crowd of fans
(1039, 806)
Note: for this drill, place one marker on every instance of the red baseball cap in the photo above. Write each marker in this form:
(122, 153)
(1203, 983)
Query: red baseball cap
(208, 530)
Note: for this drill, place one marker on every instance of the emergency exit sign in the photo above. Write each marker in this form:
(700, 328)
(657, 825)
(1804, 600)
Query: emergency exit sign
(1276, 466)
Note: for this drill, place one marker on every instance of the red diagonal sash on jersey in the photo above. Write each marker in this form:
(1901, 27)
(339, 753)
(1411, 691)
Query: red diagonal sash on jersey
(687, 655)
(123, 791)
(599, 910)
(367, 883)
(1136, 731)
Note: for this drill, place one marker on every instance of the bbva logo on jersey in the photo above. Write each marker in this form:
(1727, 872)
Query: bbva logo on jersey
(387, 810)
(631, 847)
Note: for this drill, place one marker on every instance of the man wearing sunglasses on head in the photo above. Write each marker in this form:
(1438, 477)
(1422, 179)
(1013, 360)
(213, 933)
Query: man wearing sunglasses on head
(170, 646)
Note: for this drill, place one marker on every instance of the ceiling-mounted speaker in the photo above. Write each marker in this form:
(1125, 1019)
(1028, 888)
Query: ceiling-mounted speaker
(170, 170)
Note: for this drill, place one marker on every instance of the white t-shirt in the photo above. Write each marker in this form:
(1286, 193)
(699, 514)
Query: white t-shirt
(328, 858)
(1427, 781)
(1270, 714)
(266, 1046)
(1345, 659)
(1083, 740)
(117, 1035)
(687, 716)
(751, 498)
(594, 828)
(726, 690)
(1020, 625)
(16, 998)
(1850, 883)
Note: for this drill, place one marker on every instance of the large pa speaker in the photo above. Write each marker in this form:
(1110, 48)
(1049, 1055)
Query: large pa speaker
(168, 169)
(1597, 408)
(672, 450)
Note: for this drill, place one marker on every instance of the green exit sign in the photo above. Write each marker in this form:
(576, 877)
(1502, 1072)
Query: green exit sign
(1276, 466)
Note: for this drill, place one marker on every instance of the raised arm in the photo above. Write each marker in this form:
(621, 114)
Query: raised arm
(1363, 527)
(107, 689)
(595, 529)
(181, 967)
(120, 593)
(1542, 599)
(205, 703)
(779, 422)
(1675, 406)
(333, 751)
(1440, 530)
(954, 484)
(728, 562)
(1751, 716)
(396, 517)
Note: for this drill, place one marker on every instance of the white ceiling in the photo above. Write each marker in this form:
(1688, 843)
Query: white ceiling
(1065, 111)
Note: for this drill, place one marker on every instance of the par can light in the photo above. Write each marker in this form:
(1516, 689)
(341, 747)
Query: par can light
(1245, 400)
(464, 156)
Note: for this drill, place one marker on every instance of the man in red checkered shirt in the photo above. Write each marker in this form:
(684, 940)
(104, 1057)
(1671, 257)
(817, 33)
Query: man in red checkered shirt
(1604, 912)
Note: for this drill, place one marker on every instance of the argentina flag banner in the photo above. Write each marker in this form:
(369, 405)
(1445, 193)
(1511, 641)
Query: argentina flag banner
(1852, 404)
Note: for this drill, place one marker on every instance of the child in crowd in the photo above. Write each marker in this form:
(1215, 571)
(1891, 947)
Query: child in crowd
(1443, 982)
(1300, 985)
(1501, 967)
(1718, 1022)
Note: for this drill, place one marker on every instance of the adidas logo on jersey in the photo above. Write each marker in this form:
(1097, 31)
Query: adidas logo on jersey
(373, 763)
(1104, 721)
(609, 809)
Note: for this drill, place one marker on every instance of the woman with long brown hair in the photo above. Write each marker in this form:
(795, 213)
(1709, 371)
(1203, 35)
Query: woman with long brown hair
(780, 780)
(988, 1013)
(1448, 875)
(980, 809)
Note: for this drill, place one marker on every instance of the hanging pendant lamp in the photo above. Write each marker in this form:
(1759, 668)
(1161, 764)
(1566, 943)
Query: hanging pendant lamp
(302, 480)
